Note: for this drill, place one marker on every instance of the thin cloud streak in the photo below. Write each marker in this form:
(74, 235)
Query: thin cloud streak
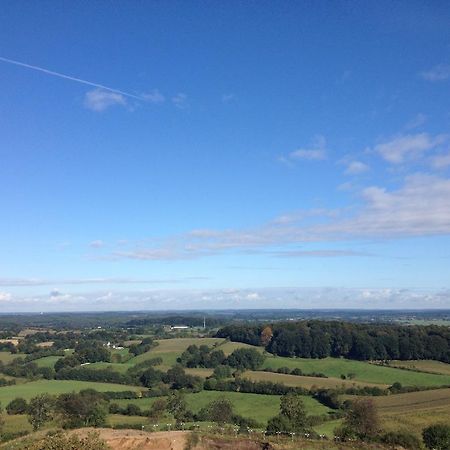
(70, 78)
(24, 282)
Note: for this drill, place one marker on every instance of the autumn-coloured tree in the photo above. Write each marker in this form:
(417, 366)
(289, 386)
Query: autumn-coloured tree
(266, 335)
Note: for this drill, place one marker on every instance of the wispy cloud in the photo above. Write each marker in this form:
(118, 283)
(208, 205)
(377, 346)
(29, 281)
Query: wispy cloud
(180, 100)
(409, 147)
(96, 244)
(227, 98)
(419, 208)
(416, 122)
(316, 152)
(154, 97)
(99, 100)
(25, 282)
(356, 168)
(441, 161)
(210, 299)
(439, 72)
(317, 253)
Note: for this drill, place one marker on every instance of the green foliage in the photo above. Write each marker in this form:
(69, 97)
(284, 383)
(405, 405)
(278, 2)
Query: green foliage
(219, 411)
(361, 420)
(150, 377)
(319, 339)
(292, 417)
(401, 438)
(17, 406)
(40, 410)
(178, 379)
(279, 424)
(2, 419)
(158, 410)
(246, 358)
(221, 372)
(437, 437)
(86, 408)
(177, 406)
(202, 356)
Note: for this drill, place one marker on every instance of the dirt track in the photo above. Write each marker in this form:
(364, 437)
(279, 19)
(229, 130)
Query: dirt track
(141, 440)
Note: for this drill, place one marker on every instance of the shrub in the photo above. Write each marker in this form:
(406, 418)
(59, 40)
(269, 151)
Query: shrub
(17, 406)
(437, 437)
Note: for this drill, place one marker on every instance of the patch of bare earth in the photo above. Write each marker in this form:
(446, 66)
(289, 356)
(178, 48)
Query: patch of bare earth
(141, 440)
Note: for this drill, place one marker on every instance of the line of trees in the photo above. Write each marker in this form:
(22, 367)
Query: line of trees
(319, 339)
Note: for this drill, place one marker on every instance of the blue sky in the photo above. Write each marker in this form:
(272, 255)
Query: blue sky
(160, 155)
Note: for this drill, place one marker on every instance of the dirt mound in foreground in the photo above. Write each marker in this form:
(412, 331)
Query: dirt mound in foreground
(141, 440)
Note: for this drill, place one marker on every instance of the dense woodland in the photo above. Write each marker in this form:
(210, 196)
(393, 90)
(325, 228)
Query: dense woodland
(319, 339)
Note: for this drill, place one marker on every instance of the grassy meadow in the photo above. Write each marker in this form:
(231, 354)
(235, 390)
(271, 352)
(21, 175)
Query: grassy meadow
(305, 382)
(362, 371)
(56, 387)
(423, 365)
(255, 406)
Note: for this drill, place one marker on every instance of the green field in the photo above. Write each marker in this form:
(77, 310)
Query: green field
(16, 423)
(56, 387)
(305, 382)
(6, 357)
(256, 406)
(363, 371)
(327, 428)
(170, 349)
(47, 361)
(230, 347)
(423, 365)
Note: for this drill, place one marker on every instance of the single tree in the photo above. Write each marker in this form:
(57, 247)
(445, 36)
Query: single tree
(292, 407)
(220, 411)
(361, 419)
(40, 410)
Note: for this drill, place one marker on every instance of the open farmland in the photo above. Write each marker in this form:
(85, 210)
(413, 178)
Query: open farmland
(16, 422)
(257, 406)
(56, 387)
(6, 357)
(413, 411)
(47, 361)
(360, 371)
(229, 347)
(423, 365)
(170, 349)
(305, 382)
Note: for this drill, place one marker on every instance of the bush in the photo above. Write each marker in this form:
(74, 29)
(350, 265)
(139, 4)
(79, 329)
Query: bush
(60, 441)
(246, 358)
(437, 437)
(401, 438)
(17, 406)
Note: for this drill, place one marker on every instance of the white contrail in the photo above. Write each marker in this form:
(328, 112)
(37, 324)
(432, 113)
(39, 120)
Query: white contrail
(67, 77)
